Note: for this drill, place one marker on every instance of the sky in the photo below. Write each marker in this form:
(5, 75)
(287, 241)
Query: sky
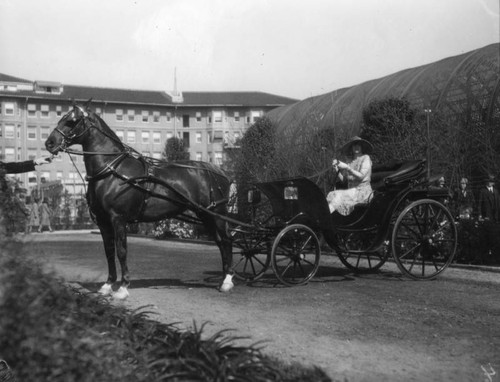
(291, 48)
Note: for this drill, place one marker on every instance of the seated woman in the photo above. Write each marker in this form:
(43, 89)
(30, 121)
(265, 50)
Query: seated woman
(358, 172)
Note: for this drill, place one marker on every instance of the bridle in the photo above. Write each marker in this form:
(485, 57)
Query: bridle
(83, 126)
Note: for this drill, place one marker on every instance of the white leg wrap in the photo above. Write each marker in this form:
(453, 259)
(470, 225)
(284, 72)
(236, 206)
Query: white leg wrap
(227, 284)
(106, 289)
(121, 293)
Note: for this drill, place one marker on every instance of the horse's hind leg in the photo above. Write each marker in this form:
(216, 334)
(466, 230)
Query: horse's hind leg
(108, 238)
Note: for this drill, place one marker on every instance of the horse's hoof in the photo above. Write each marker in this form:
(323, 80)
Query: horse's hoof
(227, 284)
(106, 289)
(121, 293)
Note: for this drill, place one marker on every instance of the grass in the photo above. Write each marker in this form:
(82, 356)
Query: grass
(52, 332)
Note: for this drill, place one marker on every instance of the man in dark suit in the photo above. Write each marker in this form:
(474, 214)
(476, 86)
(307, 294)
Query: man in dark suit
(489, 212)
(489, 201)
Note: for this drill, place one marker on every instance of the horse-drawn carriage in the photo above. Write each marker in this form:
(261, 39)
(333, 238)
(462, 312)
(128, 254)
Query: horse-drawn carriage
(405, 218)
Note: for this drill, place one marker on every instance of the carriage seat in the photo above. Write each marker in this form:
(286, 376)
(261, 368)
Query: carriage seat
(396, 172)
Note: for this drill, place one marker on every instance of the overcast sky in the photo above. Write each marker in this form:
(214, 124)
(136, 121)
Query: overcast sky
(286, 47)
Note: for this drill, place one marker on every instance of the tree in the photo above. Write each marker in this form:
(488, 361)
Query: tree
(175, 150)
(391, 126)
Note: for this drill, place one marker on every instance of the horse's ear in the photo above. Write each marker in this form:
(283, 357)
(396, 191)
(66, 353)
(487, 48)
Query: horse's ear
(87, 104)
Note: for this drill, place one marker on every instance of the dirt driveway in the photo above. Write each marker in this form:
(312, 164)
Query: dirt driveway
(380, 327)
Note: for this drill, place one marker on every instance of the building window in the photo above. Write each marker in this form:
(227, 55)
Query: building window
(58, 111)
(199, 156)
(145, 116)
(9, 108)
(198, 116)
(185, 120)
(236, 116)
(218, 157)
(31, 133)
(169, 116)
(156, 116)
(31, 177)
(145, 136)
(98, 111)
(131, 136)
(170, 135)
(120, 134)
(131, 115)
(156, 137)
(157, 155)
(217, 115)
(59, 175)
(9, 131)
(45, 176)
(44, 132)
(119, 115)
(31, 110)
(10, 154)
(198, 137)
(254, 116)
(146, 154)
(32, 153)
(218, 136)
(44, 111)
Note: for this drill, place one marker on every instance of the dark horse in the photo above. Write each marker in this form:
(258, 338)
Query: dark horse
(125, 187)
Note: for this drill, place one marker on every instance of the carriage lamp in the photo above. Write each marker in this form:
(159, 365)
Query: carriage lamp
(253, 196)
(291, 192)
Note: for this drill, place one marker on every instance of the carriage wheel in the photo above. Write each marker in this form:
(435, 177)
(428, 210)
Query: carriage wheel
(250, 254)
(295, 255)
(424, 239)
(353, 255)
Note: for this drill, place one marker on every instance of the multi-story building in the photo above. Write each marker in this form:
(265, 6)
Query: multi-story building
(207, 122)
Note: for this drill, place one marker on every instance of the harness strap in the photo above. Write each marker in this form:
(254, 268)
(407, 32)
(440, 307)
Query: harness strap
(108, 169)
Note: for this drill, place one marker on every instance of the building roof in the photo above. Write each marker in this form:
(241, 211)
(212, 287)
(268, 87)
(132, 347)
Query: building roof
(7, 78)
(151, 97)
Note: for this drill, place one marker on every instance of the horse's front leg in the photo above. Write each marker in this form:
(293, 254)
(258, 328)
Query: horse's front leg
(225, 245)
(108, 238)
(120, 232)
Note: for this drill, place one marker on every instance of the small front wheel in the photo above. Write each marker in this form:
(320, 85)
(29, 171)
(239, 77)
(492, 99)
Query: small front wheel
(295, 255)
(424, 239)
(250, 254)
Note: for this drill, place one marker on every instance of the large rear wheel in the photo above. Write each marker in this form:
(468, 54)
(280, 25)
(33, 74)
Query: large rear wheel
(424, 239)
(295, 255)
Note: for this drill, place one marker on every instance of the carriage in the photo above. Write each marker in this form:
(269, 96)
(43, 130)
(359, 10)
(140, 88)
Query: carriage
(406, 217)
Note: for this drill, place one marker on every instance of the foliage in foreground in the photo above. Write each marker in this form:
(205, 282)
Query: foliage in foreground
(51, 332)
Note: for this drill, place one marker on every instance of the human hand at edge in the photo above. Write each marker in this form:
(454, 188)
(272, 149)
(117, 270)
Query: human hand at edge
(42, 160)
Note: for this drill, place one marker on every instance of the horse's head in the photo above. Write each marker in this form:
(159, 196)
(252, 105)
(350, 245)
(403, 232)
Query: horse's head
(70, 129)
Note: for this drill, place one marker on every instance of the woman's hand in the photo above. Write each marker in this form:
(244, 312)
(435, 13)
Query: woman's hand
(342, 165)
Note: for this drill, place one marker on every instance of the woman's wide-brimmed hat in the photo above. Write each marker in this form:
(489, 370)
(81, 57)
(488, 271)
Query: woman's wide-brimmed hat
(365, 146)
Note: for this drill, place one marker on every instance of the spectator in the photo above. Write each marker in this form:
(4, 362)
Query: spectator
(34, 215)
(232, 204)
(464, 200)
(489, 201)
(44, 216)
(489, 213)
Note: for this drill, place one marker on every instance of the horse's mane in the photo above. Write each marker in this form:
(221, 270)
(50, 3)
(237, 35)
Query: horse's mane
(104, 126)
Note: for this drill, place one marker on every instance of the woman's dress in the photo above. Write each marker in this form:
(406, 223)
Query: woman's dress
(358, 191)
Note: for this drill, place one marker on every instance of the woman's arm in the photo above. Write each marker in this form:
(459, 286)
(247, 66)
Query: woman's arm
(363, 171)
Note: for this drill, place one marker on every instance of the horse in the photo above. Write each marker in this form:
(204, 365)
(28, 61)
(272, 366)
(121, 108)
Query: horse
(126, 187)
